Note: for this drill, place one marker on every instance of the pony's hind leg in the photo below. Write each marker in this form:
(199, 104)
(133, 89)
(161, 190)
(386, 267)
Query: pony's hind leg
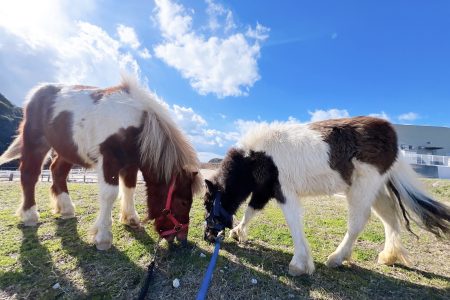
(365, 185)
(108, 180)
(385, 208)
(59, 193)
(301, 262)
(127, 187)
(34, 150)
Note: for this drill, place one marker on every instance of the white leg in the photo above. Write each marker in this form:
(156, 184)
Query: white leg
(63, 205)
(29, 217)
(101, 231)
(239, 232)
(128, 214)
(301, 262)
(385, 208)
(365, 186)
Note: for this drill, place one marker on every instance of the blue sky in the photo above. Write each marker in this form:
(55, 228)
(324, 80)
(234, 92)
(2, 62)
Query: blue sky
(222, 66)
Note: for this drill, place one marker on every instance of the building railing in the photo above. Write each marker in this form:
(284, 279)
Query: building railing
(426, 159)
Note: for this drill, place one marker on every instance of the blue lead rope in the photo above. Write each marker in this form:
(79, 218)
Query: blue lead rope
(208, 275)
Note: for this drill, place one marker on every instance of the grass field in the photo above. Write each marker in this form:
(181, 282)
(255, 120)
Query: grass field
(33, 260)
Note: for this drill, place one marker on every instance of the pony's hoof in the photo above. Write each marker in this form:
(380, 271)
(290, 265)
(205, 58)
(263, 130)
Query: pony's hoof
(101, 238)
(63, 205)
(102, 246)
(132, 221)
(30, 223)
(301, 269)
(238, 234)
(69, 215)
(389, 258)
(334, 261)
(29, 217)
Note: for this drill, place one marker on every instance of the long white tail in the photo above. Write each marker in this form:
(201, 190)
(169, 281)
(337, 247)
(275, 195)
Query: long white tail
(13, 152)
(416, 203)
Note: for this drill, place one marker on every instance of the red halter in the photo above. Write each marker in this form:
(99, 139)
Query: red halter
(167, 213)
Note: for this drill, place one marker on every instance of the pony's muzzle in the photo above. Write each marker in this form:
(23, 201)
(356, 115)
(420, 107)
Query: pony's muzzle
(210, 234)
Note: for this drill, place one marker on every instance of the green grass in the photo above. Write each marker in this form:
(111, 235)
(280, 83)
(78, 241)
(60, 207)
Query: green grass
(32, 260)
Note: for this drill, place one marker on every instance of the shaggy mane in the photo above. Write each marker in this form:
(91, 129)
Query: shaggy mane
(163, 147)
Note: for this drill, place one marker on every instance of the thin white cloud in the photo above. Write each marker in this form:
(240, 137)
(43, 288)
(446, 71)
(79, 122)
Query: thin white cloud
(224, 66)
(190, 121)
(128, 36)
(229, 22)
(381, 115)
(319, 115)
(260, 32)
(144, 53)
(214, 11)
(410, 116)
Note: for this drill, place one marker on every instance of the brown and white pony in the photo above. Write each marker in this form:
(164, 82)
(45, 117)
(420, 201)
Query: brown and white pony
(117, 131)
(356, 156)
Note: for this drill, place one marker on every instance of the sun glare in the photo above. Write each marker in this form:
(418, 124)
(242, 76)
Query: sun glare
(33, 20)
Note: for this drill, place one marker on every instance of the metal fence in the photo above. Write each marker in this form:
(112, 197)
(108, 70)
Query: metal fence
(426, 159)
(75, 175)
(89, 176)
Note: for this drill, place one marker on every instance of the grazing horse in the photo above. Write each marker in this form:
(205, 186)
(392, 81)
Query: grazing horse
(118, 131)
(357, 156)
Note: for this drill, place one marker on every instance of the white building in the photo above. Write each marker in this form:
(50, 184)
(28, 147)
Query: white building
(427, 148)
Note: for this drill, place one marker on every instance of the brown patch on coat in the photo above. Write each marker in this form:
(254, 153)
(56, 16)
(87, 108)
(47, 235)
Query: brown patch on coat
(60, 169)
(100, 93)
(129, 175)
(370, 140)
(120, 150)
(60, 136)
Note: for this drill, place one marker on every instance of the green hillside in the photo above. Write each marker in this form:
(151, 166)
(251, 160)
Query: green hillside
(10, 117)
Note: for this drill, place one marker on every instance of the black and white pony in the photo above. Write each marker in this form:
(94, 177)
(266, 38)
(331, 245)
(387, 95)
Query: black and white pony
(357, 156)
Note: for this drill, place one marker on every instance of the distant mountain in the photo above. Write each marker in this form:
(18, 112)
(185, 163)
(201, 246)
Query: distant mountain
(10, 117)
(215, 161)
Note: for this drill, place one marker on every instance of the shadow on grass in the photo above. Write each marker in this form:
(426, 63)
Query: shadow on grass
(38, 274)
(270, 268)
(106, 274)
(111, 274)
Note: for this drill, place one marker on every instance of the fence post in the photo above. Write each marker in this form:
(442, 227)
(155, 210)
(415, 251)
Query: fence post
(11, 176)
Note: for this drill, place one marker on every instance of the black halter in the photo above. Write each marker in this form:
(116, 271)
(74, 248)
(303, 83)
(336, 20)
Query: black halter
(218, 216)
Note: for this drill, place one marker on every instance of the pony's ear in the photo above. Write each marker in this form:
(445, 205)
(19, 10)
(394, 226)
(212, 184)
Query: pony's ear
(209, 185)
(194, 173)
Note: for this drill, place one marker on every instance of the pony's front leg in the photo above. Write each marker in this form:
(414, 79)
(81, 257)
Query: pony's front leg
(127, 184)
(301, 262)
(59, 192)
(109, 189)
(258, 201)
(239, 233)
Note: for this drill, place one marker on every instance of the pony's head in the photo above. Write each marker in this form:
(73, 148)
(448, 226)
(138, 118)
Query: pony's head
(217, 217)
(169, 204)
(227, 190)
